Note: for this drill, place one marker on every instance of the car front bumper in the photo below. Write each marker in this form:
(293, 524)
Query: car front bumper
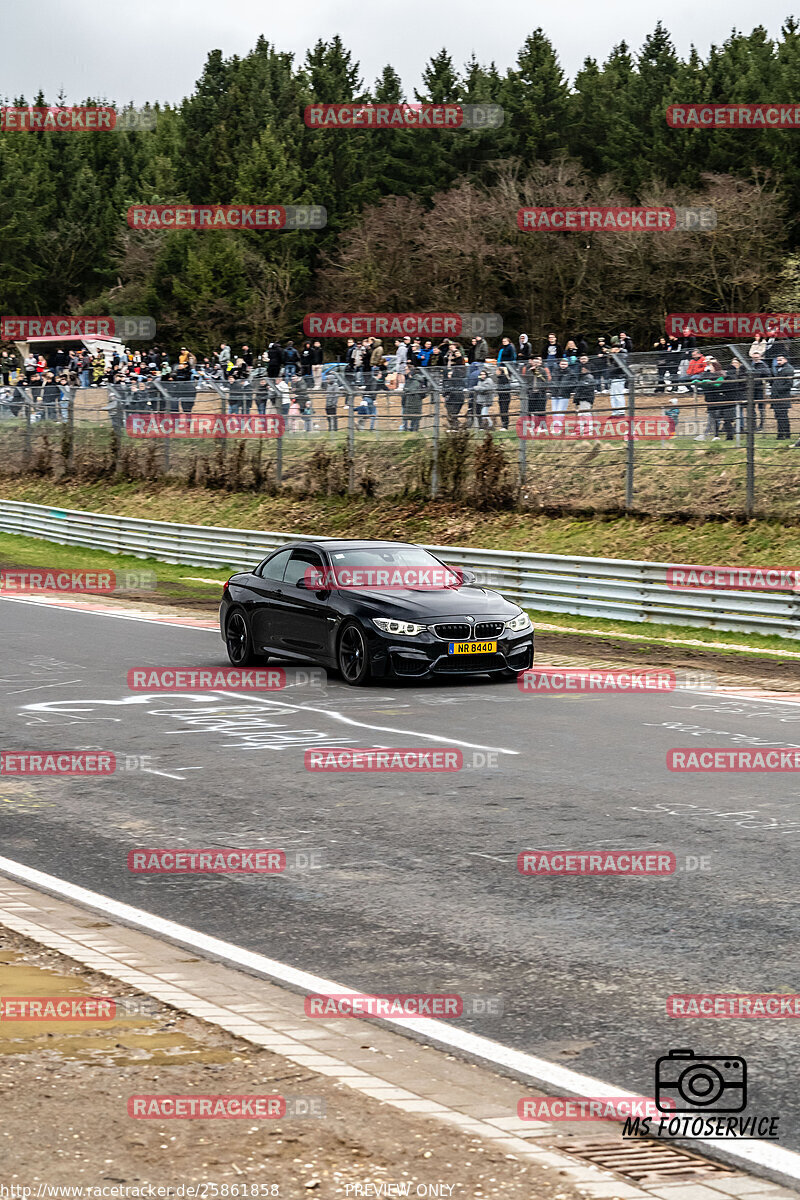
(409, 658)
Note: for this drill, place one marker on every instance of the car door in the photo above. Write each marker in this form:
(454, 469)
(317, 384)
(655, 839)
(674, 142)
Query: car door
(302, 616)
(266, 583)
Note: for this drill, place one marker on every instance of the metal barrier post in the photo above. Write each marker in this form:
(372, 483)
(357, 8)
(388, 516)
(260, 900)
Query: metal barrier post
(70, 427)
(159, 386)
(630, 448)
(750, 477)
(436, 399)
(26, 408)
(630, 461)
(750, 433)
(522, 391)
(223, 394)
(351, 441)
(116, 413)
(349, 395)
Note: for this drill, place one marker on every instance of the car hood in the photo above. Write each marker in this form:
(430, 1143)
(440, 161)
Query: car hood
(425, 605)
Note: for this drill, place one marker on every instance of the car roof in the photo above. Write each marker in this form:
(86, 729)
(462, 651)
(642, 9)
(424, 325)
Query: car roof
(344, 543)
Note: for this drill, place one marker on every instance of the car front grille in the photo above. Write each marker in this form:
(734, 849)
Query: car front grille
(459, 631)
(470, 664)
(488, 629)
(455, 632)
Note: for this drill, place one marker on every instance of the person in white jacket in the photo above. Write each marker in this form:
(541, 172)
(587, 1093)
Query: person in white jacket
(401, 362)
(401, 368)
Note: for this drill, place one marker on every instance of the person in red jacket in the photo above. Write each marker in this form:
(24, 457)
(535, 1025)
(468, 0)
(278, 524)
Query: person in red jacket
(696, 367)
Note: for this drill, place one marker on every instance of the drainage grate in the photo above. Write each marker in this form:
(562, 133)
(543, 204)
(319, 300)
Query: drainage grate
(645, 1161)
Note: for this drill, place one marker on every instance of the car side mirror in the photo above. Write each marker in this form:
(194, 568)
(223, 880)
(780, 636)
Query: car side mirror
(305, 584)
(464, 576)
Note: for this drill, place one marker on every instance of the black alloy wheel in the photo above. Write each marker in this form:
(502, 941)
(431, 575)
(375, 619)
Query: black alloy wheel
(238, 640)
(352, 656)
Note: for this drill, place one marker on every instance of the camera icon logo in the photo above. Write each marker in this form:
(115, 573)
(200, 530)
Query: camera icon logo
(689, 1082)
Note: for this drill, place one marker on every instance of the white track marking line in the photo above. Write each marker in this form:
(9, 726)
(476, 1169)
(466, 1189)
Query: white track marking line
(742, 697)
(43, 687)
(98, 612)
(337, 716)
(154, 620)
(538, 1070)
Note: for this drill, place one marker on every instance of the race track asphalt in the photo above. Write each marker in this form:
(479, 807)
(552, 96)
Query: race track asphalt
(417, 888)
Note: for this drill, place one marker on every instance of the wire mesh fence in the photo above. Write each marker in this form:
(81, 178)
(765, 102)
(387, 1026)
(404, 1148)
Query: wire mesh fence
(704, 430)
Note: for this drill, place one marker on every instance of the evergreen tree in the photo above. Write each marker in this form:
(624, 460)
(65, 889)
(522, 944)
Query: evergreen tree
(336, 162)
(413, 214)
(535, 97)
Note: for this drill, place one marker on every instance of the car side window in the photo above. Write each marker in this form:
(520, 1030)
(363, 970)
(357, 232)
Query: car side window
(301, 562)
(274, 567)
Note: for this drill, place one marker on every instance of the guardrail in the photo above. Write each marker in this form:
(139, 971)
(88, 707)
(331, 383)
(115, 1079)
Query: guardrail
(611, 588)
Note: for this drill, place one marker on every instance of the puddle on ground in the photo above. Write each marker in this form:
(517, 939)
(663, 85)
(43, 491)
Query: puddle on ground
(125, 1040)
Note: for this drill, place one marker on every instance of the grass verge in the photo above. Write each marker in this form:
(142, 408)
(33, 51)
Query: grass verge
(656, 539)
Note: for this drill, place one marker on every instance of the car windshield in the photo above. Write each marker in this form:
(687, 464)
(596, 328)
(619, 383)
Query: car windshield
(370, 568)
(384, 556)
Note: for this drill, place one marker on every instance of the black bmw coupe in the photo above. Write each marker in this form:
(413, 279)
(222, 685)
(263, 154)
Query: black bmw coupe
(372, 610)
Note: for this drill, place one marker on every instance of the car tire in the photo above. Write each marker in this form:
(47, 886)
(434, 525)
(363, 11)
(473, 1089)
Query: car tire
(239, 640)
(352, 656)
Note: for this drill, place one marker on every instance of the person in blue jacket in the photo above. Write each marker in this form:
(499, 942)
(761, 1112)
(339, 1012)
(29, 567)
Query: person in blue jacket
(506, 353)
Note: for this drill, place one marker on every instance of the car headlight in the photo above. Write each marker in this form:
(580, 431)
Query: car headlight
(406, 628)
(519, 624)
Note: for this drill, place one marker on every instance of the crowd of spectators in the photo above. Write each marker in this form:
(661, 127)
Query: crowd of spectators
(683, 367)
(472, 379)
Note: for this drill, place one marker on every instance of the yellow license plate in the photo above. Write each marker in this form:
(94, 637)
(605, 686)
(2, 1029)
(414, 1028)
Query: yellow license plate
(472, 648)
